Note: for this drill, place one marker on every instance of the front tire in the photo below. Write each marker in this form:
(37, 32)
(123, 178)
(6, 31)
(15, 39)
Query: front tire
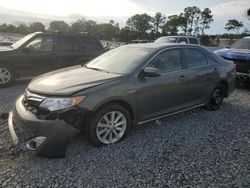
(108, 125)
(6, 76)
(216, 98)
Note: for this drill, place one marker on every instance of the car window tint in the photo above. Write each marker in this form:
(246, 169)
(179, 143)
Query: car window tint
(89, 43)
(193, 41)
(68, 44)
(194, 58)
(167, 61)
(44, 43)
(183, 40)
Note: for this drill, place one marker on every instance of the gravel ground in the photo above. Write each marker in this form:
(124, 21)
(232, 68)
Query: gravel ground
(193, 149)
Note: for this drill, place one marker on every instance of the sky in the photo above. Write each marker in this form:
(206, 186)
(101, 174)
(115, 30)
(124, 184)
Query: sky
(18, 11)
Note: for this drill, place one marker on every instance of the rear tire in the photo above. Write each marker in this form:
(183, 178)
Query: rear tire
(108, 125)
(7, 76)
(216, 98)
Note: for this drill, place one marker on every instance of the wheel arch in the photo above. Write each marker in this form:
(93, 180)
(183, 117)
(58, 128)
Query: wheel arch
(225, 85)
(120, 102)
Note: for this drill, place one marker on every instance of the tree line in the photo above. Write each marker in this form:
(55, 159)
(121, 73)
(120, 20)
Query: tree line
(191, 21)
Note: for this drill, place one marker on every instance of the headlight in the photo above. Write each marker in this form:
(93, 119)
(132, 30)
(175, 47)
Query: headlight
(53, 104)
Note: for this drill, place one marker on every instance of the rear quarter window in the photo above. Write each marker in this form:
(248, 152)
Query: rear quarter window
(89, 43)
(193, 41)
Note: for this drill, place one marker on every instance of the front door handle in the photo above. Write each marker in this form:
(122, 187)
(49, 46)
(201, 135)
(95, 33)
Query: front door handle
(215, 69)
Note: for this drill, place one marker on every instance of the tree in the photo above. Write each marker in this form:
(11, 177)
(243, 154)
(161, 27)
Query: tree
(61, 26)
(247, 14)
(140, 23)
(234, 25)
(172, 25)
(78, 26)
(22, 29)
(158, 22)
(206, 19)
(192, 16)
(37, 26)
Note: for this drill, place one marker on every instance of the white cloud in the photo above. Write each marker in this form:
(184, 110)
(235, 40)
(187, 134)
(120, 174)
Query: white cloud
(68, 7)
(231, 8)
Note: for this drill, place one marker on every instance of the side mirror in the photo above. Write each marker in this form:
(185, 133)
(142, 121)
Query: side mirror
(26, 50)
(150, 72)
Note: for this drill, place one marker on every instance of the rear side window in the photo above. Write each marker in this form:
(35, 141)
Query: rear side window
(89, 43)
(211, 60)
(68, 44)
(167, 61)
(194, 58)
(193, 41)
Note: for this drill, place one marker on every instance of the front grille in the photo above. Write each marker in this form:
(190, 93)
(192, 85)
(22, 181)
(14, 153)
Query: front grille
(22, 134)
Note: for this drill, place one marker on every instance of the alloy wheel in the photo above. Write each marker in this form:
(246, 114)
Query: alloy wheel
(111, 127)
(217, 97)
(5, 76)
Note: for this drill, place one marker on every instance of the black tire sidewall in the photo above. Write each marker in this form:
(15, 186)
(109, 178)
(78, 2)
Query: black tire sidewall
(209, 105)
(90, 129)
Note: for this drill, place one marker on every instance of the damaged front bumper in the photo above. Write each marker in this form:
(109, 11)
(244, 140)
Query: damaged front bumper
(47, 138)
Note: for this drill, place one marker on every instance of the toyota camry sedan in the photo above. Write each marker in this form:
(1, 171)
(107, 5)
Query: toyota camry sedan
(129, 85)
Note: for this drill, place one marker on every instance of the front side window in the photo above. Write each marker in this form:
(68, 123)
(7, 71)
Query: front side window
(167, 61)
(41, 44)
(194, 58)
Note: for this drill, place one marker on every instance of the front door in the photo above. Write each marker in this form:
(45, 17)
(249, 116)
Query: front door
(157, 96)
(37, 56)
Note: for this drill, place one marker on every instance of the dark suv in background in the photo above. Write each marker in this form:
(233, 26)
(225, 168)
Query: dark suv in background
(39, 53)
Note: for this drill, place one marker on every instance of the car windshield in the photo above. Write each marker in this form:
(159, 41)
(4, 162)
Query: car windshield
(122, 60)
(243, 43)
(166, 40)
(21, 41)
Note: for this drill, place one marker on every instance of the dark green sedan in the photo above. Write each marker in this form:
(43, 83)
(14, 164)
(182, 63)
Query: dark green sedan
(129, 85)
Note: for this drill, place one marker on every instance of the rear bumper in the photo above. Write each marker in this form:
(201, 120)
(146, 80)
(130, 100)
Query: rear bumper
(48, 138)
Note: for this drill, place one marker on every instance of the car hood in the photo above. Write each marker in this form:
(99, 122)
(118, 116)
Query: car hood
(237, 54)
(69, 80)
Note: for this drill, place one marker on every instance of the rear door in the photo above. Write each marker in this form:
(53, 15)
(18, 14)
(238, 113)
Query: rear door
(202, 74)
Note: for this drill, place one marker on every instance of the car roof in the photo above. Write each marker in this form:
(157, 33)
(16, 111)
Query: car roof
(178, 36)
(161, 45)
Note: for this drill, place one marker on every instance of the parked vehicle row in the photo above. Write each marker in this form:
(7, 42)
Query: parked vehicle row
(38, 53)
(132, 84)
(239, 53)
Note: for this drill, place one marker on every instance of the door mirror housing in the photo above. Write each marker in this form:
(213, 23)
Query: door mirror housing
(150, 72)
